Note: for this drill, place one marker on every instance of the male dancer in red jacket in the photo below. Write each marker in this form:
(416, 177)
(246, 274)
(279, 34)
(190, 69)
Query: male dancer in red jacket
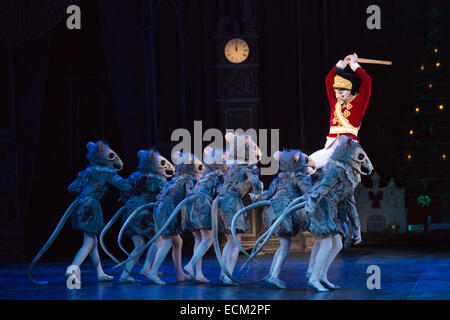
(348, 105)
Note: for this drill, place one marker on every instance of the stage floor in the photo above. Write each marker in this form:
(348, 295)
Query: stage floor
(405, 274)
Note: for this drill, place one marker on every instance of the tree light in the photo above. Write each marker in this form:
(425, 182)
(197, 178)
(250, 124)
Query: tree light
(438, 64)
(444, 156)
(417, 109)
(409, 157)
(435, 50)
(411, 132)
(441, 107)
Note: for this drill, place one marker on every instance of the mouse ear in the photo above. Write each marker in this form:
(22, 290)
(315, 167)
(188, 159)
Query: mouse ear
(90, 145)
(342, 139)
(229, 137)
(297, 156)
(101, 146)
(277, 155)
(348, 143)
(141, 153)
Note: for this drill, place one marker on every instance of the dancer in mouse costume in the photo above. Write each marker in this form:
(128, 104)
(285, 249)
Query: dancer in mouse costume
(198, 211)
(90, 186)
(147, 182)
(242, 176)
(169, 225)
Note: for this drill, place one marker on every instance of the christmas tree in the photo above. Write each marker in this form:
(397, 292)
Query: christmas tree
(426, 152)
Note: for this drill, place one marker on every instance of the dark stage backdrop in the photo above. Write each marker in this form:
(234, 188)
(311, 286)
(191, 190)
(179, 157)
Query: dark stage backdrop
(94, 83)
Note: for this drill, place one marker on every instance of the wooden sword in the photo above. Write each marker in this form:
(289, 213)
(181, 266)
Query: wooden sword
(373, 61)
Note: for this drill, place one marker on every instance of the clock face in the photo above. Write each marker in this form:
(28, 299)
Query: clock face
(236, 50)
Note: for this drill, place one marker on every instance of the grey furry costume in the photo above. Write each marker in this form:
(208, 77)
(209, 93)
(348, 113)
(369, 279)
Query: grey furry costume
(238, 181)
(328, 208)
(147, 184)
(198, 211)
(331, 207)
(291, 182)
(90, 186)
(172, 194)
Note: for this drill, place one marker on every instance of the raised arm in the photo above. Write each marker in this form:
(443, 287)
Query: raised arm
(366, 82)
(329, 80)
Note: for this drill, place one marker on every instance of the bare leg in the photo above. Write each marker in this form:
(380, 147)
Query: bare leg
(149, 258)
(102, 276)
(160, 256)
(233, 254)
(86, 248)
(273, 260)
(312, 259)
(177, 245)
(336, 248)
(138, 244)
(189, 266)
(278, 262)
(321, 258)
(202, 248)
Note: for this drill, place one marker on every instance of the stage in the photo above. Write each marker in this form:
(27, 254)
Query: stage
(405, 274)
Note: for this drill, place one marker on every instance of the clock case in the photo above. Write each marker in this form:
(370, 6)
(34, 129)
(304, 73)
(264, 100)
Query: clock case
(237, 84)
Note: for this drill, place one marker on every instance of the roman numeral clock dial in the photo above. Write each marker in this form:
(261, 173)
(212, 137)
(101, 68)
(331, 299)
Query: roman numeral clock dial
(236, 50)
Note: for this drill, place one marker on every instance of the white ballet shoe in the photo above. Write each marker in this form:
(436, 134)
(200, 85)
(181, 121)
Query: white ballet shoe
(68, 274)
(105, 278)
(316, 285)
(228, 282)
(327, 284)
(154, 278)
(276, 282)
(143, 272)
(201, 278)
(308, 275)
(128, 279)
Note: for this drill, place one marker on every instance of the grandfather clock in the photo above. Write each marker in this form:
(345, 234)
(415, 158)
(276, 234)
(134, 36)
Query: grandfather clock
(237, 72)
(237, 78)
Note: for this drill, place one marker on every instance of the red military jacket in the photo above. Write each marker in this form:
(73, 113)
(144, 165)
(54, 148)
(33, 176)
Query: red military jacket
(346, 119)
